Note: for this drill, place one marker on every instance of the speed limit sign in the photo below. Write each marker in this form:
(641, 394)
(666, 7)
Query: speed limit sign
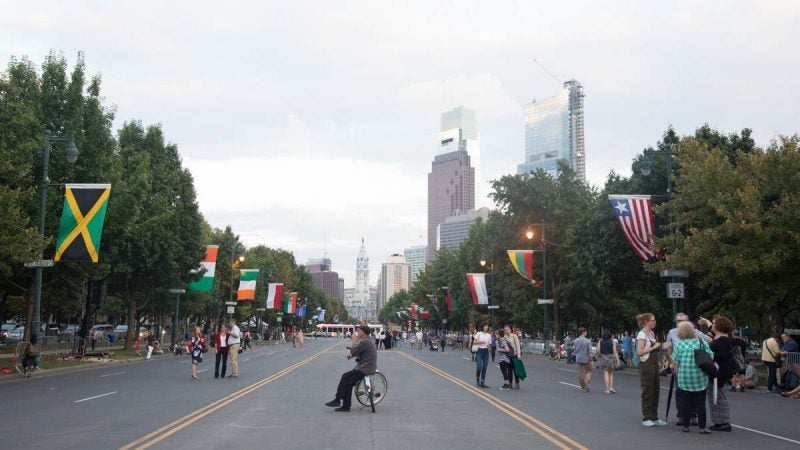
(675, 290)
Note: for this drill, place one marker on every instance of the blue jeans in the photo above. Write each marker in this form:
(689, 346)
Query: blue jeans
(481, 363)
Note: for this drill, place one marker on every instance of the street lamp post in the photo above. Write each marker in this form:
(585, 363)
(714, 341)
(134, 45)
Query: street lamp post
(72, 156)
(646, 168)
(530, 233)
(491, 293)
(177, 319)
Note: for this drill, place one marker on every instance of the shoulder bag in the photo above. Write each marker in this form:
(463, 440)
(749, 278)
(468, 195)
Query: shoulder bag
(704, 361)
(778, 360)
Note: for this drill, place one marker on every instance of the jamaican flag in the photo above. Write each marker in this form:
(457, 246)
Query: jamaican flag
(82, 222)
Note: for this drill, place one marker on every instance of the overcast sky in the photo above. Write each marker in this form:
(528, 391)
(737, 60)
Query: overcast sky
(308, 125)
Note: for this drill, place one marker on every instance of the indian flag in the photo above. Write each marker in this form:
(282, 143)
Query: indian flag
(291, 304)
(247, 284)
(209, 264)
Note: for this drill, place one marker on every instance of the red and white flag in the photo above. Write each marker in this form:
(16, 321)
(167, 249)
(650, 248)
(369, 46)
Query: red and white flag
(635, 214)
(477, 285)
(274, 296)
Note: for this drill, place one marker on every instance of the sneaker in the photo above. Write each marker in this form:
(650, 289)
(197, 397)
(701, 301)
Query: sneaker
(504, 387)
(659, 422)
(342, 409)
(612, 391)
(334, 403)
(648, 423)
(483, 385)
(720, 427)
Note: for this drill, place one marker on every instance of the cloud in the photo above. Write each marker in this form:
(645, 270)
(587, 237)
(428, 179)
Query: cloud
(482, 92)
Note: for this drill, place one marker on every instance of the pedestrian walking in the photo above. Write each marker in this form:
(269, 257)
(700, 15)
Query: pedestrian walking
(137, 347)
(609, 360)
(627, 349)
(247, 341)
(692, 381)
(569, 346)
(647, 347)
(196, 349)
(472, 347)
(503, 349)
(722, 346)
(151, 343)
(514, 353)
(298, 339)
(583, 358)
(481, 347)
(93, 337)
(221, 351)
(234, 341)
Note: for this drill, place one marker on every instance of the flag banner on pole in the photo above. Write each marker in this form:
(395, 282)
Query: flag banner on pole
(635, 214)
(424, 314)
(274, 295)
(206, 284)
(522, 260)
(82, 222)
(477, 285)
(301, 311)
(413, 310)
(247, 284)
(448, 299)
(289, 306)
(321, 315)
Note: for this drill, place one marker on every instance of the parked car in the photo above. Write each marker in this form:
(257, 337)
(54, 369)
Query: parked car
(71, 330)
(16, 334)
(5, 330)
(100, 331)
(120, 332)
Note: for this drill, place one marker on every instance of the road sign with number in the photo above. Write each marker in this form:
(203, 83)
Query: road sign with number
(230, 309)
(675, 290)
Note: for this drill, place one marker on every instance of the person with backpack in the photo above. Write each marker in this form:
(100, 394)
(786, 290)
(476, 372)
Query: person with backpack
(725, 350)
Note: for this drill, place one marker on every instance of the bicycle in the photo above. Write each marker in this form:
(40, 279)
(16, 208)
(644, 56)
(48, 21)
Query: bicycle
(371, 389)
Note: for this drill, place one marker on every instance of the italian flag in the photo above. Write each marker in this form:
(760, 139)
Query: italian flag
(209, 264)
(291, 304)
(247, 284)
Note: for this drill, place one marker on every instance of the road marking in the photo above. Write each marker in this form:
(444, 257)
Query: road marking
(201, 370)
(245, 360)
(767, 434)
(568, 370)
(466, 358)
(96, 396)
(568, 384)
(557, 438)
(177, 425)
(111, 374)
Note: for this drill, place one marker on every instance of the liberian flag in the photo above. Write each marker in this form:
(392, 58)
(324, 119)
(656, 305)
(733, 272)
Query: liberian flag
(247, 284)
(274, 295)
(635, 214)
(448, 298)
(477, 285)
(289, 306)
(522, 260)
(206, 284)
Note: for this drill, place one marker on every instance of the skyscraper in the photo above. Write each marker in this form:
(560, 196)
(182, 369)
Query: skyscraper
(324, 278)
(415, 256)
(361, 299)
(455, 229)
(554, 131)
(451, 182)
(395, 276)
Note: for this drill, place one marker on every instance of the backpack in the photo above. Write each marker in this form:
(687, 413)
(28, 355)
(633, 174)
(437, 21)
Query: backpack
(739, 363)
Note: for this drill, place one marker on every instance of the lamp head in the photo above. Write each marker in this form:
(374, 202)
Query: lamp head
(529, 234)
(241, 259)
(72, 152)
(483, 262)
(646, 166)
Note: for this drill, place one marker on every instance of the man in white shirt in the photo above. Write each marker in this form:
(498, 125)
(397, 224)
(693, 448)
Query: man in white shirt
(234, 340)
(482, 341)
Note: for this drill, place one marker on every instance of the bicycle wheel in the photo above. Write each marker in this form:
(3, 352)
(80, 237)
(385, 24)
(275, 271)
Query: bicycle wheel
(361, 392)
(379, 387)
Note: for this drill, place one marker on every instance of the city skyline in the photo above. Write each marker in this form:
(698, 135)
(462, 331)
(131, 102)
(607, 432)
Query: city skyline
(352, 109)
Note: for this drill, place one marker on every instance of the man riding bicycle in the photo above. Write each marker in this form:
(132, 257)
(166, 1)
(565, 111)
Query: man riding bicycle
(366, 364)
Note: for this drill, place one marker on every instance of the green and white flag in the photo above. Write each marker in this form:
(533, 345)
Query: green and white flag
(206, 284)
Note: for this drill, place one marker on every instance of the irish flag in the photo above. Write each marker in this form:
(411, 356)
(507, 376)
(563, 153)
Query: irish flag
(206, 284)
(247, 284)
(274, 295)
(477, 285)
(290, 305)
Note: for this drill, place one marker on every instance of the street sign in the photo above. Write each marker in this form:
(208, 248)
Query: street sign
(675, 290)
(669, 273)
(493, 306)
(545, 301)
(230, 309)
(230, 303)
(177, 291)
(39, 263)
(444, 321)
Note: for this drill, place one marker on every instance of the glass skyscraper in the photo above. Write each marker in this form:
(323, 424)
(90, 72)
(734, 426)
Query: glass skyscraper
(554, 131)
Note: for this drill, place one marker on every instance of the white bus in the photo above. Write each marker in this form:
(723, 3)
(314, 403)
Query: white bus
(342, 329)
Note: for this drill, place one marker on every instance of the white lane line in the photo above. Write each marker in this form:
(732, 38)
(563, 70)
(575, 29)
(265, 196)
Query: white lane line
(466, 358)
(568, 384)
(767, 434)
(96, 396)
(111, 374)
(568, 370)
(245, 360)
(201, 370)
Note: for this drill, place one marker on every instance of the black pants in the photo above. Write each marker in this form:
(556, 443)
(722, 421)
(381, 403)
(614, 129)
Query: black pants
(689, 404)
(345, 390)
(506, 369)
(494, 349)
(772, 375)
(222, 355)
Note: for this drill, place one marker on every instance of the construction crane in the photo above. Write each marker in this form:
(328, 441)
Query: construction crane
(547, 71)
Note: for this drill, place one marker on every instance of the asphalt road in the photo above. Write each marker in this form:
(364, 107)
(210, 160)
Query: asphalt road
(277, 401)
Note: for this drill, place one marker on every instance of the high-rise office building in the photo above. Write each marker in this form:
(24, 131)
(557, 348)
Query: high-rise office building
(455, 229)
(554, 131)
(451, 182)
(324, 278)
(415, 257)
(395, 276)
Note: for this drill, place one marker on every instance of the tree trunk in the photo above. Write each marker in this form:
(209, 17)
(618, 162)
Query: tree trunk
(133, 328)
